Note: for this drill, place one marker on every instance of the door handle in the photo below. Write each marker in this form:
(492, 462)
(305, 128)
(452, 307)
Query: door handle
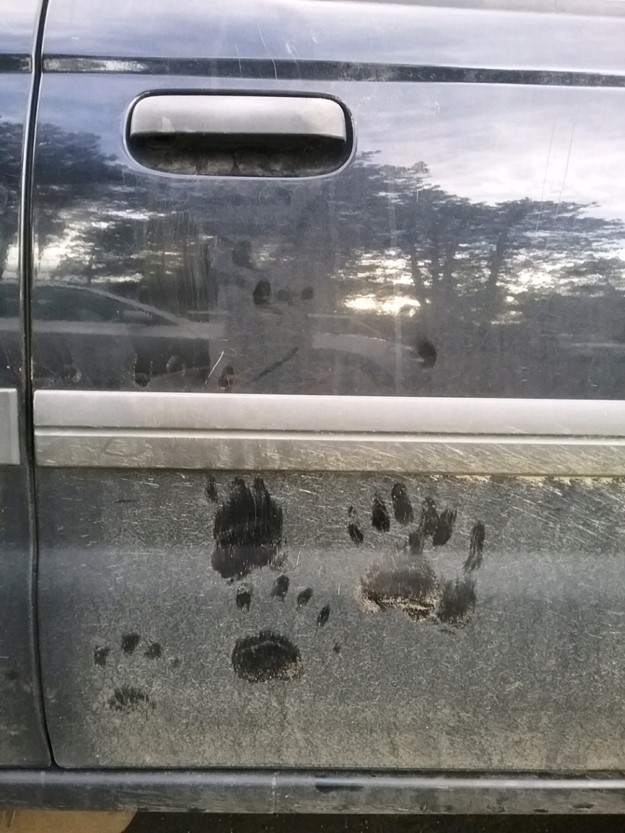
(265, 135)
(239, 115)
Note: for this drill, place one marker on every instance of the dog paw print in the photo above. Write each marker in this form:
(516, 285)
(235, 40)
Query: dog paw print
(269, 655)
(411, 583)
(133, 657)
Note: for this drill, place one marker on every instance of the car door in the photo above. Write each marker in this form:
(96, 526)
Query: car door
(22, 736)
(374, 521)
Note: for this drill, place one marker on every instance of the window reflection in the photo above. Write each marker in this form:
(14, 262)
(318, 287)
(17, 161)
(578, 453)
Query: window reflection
(460, 275)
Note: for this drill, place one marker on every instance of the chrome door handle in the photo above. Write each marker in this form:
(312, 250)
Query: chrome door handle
(210, 134)
(239, 115)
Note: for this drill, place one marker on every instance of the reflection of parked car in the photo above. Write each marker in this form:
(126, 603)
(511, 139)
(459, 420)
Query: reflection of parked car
(592, 349)
(388, 361)
(114, 342)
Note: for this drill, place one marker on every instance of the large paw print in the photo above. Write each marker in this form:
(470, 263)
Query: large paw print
(269, 655)
(247, 529)
(248, 533)
(411, 584)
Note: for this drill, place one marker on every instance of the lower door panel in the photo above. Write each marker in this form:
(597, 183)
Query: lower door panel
(332, 620)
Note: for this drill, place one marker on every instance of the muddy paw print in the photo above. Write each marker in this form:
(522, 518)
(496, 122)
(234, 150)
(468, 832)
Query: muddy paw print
(411, 583)
(133, 657)
(247, 529)
(269, 655)
(248, 534)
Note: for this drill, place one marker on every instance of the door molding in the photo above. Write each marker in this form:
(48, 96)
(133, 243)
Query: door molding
(237, 791)
(9, 428)
(329, 433)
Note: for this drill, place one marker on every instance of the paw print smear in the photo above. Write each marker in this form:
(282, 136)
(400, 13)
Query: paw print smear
(280, 587)
(402, 507)
(100, 655)
(268, 655)
(129, 699)
(324, 615)
(247, 530)
(444, 527)
(153, 651)
(413, 588)
(304, 597)
(412, 585)
(355, 533)
(244, 597)
(130, 641)
(380, 519)
(476, 548)
(210, 489)
(458, 597)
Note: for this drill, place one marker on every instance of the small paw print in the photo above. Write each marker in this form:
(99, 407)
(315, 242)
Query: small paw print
(132, 658)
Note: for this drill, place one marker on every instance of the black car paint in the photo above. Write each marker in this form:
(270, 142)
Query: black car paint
(131, 688)
(474, 166)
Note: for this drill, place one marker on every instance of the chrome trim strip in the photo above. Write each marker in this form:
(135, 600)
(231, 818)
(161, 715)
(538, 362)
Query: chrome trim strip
(329, 433)
(296, 791)
(335, 414)
(9, 428)
(283, 451)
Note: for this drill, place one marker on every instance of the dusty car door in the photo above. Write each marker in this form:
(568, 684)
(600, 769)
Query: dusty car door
(22, 736)
(376, 521)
